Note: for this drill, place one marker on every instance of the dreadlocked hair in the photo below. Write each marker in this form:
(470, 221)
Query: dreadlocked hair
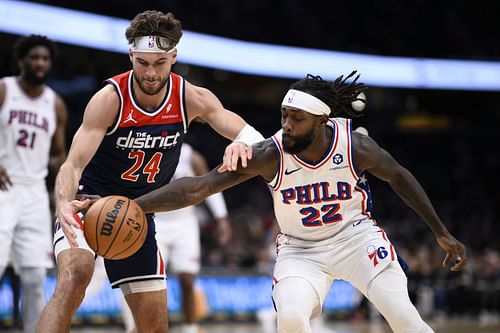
(338, 95)
(24, 45)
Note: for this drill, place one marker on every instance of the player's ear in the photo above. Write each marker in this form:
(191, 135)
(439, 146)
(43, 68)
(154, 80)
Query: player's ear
(323, 119)
(174, 56)
(131, 56)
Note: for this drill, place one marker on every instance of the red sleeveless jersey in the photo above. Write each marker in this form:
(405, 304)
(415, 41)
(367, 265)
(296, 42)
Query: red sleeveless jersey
(141, 150)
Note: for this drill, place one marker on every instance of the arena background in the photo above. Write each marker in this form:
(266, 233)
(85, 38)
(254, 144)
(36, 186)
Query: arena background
(447, 138)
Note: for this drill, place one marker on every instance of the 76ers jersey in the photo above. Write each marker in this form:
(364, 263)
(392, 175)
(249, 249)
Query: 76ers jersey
(317, 201)
(27, 125)
(141, 151)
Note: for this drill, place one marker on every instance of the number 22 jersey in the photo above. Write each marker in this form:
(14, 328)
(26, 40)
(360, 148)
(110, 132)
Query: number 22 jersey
(317, 201)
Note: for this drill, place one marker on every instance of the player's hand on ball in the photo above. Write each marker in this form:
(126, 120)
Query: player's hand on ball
(66, 218)
(234, 152)
(92, 197)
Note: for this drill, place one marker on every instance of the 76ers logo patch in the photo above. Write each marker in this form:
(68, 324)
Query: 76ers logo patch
(376, 254)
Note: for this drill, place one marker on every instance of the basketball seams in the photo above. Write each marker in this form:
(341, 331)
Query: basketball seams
(144, 228)
(119, 227)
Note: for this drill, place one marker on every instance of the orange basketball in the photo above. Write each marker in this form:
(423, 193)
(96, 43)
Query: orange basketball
(115, 227)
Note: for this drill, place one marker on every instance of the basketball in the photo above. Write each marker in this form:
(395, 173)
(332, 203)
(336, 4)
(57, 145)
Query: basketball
(115, 227)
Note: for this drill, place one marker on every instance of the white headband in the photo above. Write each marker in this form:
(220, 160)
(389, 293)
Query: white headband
(305, 102)
(150, 44)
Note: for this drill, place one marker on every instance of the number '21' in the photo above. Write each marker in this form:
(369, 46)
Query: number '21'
(25, 139)
(329, 214)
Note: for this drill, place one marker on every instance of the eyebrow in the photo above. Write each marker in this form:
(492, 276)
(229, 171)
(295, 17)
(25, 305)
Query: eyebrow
(158, 60)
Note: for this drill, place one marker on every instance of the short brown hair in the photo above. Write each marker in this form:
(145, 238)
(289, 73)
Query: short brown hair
(153, 22)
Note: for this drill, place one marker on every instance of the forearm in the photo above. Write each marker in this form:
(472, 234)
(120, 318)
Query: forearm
(66, 184)
(412, 193)
(181, 193)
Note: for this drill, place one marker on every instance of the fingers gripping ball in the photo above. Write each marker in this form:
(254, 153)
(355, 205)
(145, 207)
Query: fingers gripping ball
(115, 227)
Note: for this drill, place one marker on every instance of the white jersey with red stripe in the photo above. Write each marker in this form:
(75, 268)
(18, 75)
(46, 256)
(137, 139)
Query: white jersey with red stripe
(27, 125)
(317, 201)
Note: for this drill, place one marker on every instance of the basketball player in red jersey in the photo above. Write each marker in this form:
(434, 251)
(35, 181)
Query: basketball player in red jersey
(129, 144)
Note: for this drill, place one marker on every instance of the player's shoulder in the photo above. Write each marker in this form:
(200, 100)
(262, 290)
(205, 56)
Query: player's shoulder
(103, 106)
(265, 159)
(199, 100)
(107, 94)
(196, 94)
(265, 150)
(362, 143)
(367, 152)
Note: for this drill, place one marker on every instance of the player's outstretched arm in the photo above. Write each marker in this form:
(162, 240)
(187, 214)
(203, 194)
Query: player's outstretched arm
(99, 115)
(203, 104)
(370, 157)
(189, 191)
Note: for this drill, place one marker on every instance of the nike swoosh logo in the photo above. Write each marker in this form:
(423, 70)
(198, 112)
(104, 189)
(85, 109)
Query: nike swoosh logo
(291, 171)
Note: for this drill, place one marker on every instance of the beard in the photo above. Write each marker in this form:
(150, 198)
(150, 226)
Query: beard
(296, 145)
(33, 79)
(150, 91)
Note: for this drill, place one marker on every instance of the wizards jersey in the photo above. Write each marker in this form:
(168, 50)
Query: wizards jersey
(317, 201)
(141, 151)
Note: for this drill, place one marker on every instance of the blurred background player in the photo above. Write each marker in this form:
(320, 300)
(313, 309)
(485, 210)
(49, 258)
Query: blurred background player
(178, 237)
(32, 130)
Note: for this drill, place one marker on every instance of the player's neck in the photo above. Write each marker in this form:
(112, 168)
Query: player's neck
(318, 147)
(32, 90)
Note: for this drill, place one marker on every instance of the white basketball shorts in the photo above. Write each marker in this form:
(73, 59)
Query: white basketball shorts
(179, 242)
(25, 226)
(357, 254)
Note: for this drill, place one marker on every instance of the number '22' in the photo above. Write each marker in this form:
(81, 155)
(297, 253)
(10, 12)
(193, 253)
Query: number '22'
(329, 214)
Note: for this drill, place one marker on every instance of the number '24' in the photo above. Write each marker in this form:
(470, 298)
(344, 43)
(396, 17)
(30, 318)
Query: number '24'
(151, 168)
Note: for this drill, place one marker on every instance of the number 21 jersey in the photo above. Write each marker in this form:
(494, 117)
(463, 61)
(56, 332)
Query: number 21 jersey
(27, 125)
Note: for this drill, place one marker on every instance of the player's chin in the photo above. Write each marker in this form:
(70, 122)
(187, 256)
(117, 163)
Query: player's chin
(290, 148)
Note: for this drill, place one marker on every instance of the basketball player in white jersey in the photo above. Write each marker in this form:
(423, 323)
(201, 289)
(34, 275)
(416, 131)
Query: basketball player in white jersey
(314, 167)
(178, 237)
(32, 127)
